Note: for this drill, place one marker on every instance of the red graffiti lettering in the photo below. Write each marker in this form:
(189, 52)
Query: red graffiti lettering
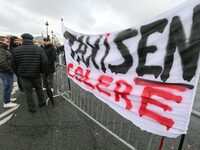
(159, 84)
(69, 67)
(86, 78)
(124, 94)
(105, 81)
(147, 94)
(79, 74)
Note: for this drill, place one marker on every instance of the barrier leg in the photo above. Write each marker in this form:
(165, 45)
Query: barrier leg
(181, 142)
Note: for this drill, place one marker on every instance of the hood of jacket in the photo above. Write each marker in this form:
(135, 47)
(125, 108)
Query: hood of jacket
(3, 46)
(12, 39)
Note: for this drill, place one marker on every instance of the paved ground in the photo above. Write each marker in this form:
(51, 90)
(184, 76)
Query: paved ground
(65, 128)
(60, 128)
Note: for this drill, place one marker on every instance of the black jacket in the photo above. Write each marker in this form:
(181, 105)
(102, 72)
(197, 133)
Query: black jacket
(28, 60)
(5, 59)
(50, 52)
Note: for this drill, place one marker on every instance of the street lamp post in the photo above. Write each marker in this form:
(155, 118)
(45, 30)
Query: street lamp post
(47, 27)
(52, 36)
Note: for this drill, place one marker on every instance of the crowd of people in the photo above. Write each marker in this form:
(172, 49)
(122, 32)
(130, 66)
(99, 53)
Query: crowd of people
(33, 65)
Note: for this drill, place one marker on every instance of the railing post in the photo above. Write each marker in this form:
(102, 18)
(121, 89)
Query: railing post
(181, 142)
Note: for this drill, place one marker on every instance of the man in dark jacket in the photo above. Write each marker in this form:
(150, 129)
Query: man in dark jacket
(14, 42)
(6, 74)
(28, 61)
(50, 52)
(48, 76)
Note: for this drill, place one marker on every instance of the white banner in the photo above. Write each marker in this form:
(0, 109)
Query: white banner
(148, 73)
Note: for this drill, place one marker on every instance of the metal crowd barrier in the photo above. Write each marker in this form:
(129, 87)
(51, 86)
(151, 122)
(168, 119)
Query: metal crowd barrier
(196, 106)
(120, 128)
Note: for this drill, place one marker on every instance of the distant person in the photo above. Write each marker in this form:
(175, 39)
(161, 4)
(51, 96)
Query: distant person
(14, 42)
(61, 55)
(50, 52)
(28, 61)
(48, 76)
(6, 74)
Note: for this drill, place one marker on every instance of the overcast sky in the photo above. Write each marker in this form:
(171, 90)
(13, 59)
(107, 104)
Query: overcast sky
(86, 16)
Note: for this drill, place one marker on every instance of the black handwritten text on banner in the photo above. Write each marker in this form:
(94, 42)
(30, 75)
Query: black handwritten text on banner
(147, 74)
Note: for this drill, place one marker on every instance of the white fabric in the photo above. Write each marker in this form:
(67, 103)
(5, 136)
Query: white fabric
(160, 105)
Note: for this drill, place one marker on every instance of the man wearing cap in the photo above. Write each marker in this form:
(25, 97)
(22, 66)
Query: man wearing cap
(50, 52)
(28, 61)
(6, 73)
(48, 76)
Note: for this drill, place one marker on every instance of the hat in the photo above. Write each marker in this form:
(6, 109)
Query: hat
(46, 39)
(27, 36)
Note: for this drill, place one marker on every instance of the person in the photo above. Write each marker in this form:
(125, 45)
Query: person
(6, 74)
(28, 62)
(48, 76)
(61, 54)
(14, 42)
(50, 52)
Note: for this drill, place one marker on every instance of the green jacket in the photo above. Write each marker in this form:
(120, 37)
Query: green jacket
(5, 59)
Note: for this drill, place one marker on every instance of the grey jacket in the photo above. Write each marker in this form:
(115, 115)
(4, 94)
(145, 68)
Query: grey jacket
(5, 59)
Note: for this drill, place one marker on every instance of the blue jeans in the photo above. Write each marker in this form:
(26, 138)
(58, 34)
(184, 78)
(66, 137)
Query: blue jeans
(7, 79)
